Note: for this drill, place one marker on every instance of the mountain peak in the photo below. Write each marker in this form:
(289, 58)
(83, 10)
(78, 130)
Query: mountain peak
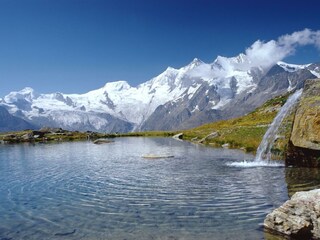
(117, 86)
(27, 90)
(241, 58)
(29, 93)
(26, 93)
(170, 69)
(195, 62)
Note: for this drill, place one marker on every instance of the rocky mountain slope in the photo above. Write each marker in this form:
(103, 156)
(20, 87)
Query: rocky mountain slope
(11, 123)
(176, 99)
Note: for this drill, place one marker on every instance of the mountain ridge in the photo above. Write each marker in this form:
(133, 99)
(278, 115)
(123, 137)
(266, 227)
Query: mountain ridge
(12, 123)
(186, 97)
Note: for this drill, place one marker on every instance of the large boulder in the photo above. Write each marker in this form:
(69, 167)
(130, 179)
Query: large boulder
(304, 144)
(298, 218)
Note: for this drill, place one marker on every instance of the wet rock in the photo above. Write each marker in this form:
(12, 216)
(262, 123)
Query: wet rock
(298, 217)
(226, 145)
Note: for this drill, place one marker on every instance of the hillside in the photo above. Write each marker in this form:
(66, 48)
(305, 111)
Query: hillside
(12, 123)
(244, 132)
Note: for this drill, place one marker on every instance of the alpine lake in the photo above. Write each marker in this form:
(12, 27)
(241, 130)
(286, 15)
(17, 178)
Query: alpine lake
(79, 190)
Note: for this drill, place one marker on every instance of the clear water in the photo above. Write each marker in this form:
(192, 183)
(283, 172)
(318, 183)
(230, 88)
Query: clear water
(87, 191)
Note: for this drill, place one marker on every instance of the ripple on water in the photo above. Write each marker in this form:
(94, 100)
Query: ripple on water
(252, 164)
(84, 191)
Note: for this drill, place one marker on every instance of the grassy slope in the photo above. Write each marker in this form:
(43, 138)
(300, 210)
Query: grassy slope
(245, 132)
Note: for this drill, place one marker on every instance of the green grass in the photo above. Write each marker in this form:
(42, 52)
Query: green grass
(244, 132)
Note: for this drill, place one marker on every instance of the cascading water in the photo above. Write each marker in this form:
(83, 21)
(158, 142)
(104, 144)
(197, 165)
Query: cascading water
(264, 149)
(263, 155)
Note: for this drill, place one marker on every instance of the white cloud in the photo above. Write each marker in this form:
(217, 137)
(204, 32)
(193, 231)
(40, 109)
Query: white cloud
(301, 38)
(259, 54)
(266, 54)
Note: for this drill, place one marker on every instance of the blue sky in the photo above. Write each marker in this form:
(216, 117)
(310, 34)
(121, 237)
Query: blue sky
(74, 46)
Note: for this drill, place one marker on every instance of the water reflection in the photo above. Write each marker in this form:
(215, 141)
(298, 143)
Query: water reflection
(302, 179)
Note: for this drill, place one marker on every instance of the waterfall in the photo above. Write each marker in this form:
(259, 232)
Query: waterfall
(263, 155)
(264, 149)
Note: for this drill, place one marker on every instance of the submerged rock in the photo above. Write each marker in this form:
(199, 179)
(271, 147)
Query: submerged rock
(298, 217)
(102, 141)
(153, 156)
(65, 233)
(304, 144)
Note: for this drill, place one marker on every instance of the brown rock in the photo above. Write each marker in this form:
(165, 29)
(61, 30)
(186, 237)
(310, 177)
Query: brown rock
(208, 137)
(298, 217)
(304, 146)
(306, 128)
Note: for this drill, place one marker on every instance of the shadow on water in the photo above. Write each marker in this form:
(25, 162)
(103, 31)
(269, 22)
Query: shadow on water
(302, 179)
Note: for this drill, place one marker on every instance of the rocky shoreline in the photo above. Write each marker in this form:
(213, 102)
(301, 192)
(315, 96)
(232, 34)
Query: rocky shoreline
(46, 135)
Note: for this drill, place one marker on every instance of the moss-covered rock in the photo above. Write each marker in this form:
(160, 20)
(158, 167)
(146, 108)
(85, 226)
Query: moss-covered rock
(304, 146)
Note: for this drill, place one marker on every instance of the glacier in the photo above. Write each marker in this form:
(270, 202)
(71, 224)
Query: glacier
(189, 91)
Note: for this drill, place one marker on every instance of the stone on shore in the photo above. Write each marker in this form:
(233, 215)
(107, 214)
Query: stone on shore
(298, 217)
(178, 136)
(28, 136)
(210, 136)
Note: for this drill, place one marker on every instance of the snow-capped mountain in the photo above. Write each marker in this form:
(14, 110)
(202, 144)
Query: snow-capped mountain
(11, 123)
(175, 99)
